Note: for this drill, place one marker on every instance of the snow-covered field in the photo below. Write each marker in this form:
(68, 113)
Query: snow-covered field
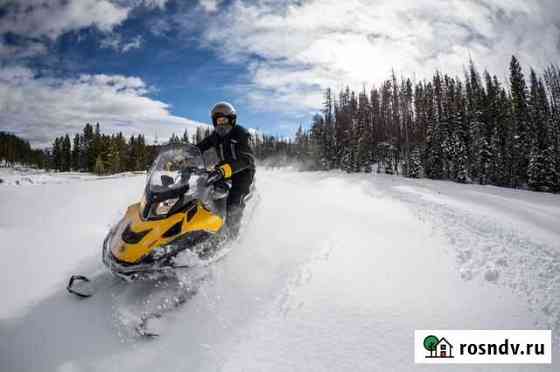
(333, 272)
(22, 176)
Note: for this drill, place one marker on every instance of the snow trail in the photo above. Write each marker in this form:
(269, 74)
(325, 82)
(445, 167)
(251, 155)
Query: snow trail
(511, 239)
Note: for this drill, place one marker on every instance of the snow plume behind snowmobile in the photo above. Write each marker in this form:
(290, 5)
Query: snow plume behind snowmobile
(180, 212)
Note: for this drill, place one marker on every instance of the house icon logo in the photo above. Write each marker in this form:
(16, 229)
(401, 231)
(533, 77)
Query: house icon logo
(438, 347)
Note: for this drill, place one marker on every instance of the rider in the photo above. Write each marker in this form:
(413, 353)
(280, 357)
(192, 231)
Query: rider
(237, 161)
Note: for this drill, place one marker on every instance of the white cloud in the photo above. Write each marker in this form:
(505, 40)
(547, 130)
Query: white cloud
(111, 41)
(154, 3)
(15, 75)
(305, 45)
(39, 109)
(31, 49)
(210, 6)
(45, 20)
(135, 43)
(114, 41)
(51, 18)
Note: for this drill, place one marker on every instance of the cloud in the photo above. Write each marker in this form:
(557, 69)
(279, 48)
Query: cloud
(36, 22)
(31, 49)
(40, 108)
(114, 41)
(135, 43)
(52, 18)
(210, 6)
(293, 49)
(152, 3)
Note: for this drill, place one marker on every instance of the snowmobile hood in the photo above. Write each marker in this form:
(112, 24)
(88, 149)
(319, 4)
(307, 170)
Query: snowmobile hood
(134, 238)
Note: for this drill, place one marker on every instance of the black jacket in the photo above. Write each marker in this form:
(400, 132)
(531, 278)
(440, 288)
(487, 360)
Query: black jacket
(233, 149)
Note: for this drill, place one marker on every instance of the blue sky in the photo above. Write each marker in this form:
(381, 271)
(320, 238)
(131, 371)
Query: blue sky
(157, 66)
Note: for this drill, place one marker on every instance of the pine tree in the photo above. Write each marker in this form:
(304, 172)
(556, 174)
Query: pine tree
(520, 113)
(383, 133)
(185, 138)
(318, 145)
(99, 168)
(57, 153)
(66, 153)
(89, 155)
(114, 158)
(415, 164)
(536, 171)
(328, 140)
(174, 139)
(552, 79)
(406, 115)
(76, 152)
(362, 141)
(434, 150)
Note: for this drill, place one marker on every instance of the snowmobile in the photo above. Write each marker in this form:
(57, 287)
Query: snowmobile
(182, 212)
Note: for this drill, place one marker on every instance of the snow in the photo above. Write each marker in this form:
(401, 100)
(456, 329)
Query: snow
(333, 272)
(23, 176)
(48, 230)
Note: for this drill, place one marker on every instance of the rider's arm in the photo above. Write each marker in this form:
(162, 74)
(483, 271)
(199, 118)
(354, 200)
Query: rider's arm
(206, 143)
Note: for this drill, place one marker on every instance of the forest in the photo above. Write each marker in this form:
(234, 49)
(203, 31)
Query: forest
(474, 129)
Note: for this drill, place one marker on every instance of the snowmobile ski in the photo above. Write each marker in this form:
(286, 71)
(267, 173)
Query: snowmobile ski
(79, 285)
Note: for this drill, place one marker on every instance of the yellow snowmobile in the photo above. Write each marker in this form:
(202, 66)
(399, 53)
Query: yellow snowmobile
(181, 211)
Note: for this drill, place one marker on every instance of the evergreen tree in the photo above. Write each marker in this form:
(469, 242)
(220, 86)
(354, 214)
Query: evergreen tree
(520, 114)
(434, 151)
(415, 164)
(66, 153)
(406, 115)
(185, 138)
(89, 155)
(76, 152)
(114, 158)
(552, 79)
(99, 168)
(57, 154)
(318, 145)
(174, 139)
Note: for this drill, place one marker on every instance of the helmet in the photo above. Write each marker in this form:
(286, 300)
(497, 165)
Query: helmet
(223, 109)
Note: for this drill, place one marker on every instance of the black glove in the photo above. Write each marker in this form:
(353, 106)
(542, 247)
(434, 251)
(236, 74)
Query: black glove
(215, 176)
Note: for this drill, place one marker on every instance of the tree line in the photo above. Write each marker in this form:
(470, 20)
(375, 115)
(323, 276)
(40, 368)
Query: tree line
(87, 151)
(93, 151)
(96, 152)
(16, 150)
(470, 130)
(474, 129)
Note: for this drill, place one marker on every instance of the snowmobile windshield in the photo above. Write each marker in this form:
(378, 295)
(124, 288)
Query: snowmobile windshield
(177, 169)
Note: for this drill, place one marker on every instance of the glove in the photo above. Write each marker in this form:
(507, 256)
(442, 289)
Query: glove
(220, 172)
(226, 170)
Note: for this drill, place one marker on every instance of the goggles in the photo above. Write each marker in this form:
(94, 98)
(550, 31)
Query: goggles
(222, 120)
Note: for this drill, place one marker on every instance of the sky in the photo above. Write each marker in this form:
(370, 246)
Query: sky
(156, 67)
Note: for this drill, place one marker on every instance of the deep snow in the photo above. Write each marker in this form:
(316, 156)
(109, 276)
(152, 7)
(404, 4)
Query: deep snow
(333, 272)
